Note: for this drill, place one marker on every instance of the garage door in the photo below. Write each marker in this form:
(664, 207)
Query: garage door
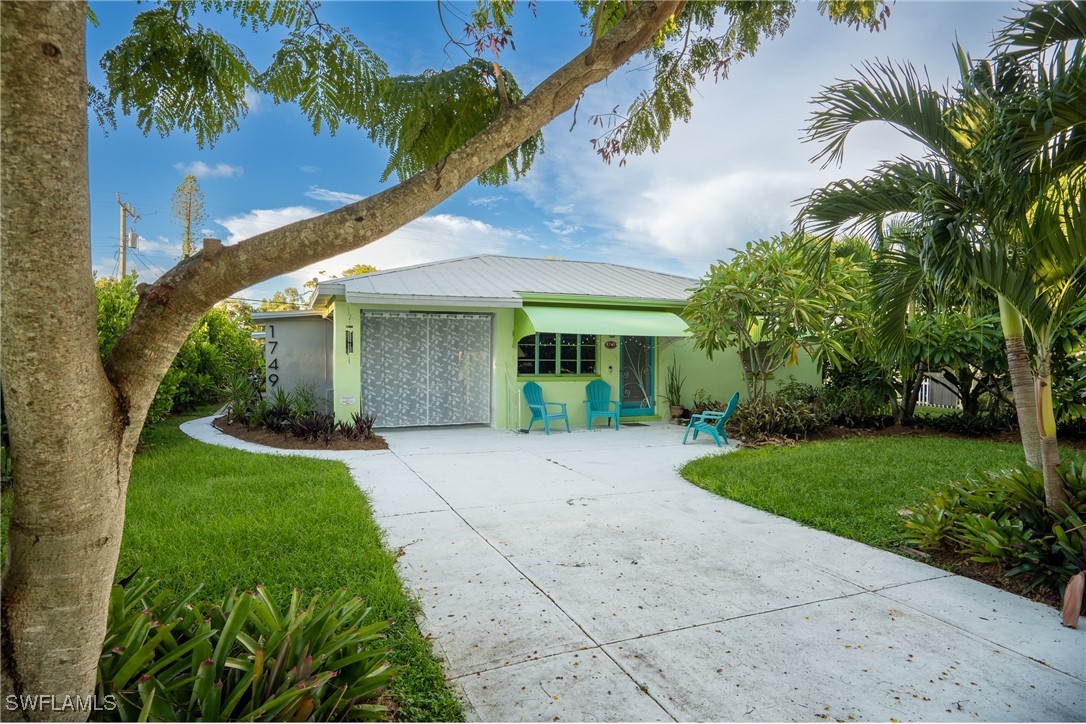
(426, 369)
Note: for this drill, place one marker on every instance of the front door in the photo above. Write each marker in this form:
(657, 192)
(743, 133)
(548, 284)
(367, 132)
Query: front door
(636, 376)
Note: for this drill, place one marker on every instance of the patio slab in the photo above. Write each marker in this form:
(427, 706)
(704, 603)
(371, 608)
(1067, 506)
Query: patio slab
(578, 576)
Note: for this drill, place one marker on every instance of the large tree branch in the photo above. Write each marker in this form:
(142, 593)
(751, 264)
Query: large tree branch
(169, 308)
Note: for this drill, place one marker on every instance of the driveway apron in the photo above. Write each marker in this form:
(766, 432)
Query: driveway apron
(577, 577)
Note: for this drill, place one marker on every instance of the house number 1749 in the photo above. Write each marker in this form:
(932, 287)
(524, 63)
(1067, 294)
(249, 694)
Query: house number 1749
(273, 364)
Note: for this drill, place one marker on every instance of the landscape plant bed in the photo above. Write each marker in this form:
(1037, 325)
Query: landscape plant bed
(286, 441)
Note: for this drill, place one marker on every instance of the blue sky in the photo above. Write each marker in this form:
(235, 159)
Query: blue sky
(727, 177)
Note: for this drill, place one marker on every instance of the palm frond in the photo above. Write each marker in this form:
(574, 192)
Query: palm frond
(896, 188)
(1043, 26)
(896, 275)
(883, 92)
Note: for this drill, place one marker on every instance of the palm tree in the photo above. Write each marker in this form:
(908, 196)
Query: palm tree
(1043, 278)
(1011, 130)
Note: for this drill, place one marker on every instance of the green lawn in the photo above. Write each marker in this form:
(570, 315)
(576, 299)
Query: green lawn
(853, 488)
(199, 514)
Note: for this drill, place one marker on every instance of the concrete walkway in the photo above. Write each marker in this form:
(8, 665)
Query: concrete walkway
(577, 577)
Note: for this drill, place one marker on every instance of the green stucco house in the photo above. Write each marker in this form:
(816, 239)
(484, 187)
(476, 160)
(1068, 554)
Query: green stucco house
(453, 342)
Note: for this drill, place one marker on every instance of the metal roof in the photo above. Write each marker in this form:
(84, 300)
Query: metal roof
(503, 281)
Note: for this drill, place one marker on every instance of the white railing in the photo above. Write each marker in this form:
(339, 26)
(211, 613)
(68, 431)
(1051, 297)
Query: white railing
(936, 393)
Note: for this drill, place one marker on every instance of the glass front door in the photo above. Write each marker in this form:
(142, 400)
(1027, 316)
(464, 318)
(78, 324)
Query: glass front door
(637, 374)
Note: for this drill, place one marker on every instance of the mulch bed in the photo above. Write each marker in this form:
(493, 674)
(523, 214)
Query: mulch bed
(835, 432)
(286, 441)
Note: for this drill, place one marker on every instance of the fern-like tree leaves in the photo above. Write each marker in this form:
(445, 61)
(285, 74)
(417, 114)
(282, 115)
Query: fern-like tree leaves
(689, 49)
(423, 118)
(332, 76)
(174, 76)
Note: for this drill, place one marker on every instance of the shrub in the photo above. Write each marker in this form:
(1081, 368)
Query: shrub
(277, 413)
(1001, 518)
(243, 658)
(241, 396)
(216, 346)
(984, 424)
(860, 394)
(778, 416)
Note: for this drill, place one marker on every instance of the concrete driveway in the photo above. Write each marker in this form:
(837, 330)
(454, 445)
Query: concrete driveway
(578, 577)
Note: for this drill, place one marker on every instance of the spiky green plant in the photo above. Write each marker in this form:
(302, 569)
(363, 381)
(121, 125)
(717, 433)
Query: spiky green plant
(242, 659)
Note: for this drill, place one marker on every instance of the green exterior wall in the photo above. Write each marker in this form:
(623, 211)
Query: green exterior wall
(719, 377)
(722, 375)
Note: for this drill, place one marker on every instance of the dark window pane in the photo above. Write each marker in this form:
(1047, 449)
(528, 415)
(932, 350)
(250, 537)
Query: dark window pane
(588, 354)
(569, 352)
(547, 366)
(547, 338)
(526, 366)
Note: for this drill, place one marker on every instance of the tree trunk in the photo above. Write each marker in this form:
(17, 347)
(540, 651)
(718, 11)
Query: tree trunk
(1055, 490)
(1022, 385)
(74, 422)
(68, 428)
(911, 393)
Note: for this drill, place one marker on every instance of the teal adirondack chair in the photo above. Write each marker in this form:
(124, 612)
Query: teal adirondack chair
(599, 402)
(712, 423)
(533, 395)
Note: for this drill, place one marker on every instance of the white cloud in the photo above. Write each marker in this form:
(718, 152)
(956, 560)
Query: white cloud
(732, 173)
(257, 221)
(557, 226)
(253, 100)
(199, 169)
(308, 169)
(713, 215)
(487, 201)
(429, 238)
(339, 197)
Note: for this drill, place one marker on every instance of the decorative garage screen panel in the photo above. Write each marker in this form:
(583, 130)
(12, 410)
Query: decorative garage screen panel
(426, 369)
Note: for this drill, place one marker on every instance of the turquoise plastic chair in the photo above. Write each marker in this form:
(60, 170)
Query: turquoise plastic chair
(599, 402)
(533, 395)
(712, 423)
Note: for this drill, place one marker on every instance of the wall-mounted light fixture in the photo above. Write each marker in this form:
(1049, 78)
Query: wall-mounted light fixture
(349, 339)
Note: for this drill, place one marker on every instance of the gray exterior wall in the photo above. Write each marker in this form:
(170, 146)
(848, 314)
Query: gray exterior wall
(298, 349)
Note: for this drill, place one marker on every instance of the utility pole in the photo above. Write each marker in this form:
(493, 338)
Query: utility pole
(126, 211)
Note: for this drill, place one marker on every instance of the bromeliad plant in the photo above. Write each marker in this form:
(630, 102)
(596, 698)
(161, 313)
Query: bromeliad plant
(359, 427)
(242, 659)
(1002, 518)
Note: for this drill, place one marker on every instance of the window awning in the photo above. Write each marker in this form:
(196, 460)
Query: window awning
(585, 320)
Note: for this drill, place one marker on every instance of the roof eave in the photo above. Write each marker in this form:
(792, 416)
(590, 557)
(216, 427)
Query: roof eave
(413, 300)
(602, 301)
